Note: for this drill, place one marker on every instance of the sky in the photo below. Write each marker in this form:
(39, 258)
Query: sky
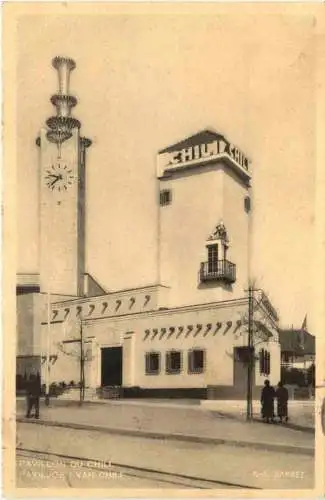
(145, 80)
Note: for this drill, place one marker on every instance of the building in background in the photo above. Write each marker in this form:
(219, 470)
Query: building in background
(187, 333)
(298, 349)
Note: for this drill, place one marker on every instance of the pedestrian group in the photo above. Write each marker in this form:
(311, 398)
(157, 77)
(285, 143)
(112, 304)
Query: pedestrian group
(269, 394)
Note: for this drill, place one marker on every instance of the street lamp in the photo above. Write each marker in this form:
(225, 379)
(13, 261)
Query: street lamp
(82, 366)
(47, 369)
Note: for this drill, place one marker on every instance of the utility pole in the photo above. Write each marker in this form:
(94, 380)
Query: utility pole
(250, 339)
(250, 347)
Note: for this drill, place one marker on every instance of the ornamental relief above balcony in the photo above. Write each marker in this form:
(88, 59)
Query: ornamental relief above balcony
(217, 267)
(219, 233)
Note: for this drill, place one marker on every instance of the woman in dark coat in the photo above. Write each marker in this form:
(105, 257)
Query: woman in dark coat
(267, 401)
(282, 396)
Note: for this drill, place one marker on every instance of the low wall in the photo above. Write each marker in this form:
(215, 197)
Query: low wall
(211, 393)
(166, 393)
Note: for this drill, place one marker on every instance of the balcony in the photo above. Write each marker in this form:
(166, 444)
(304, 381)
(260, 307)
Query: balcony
(221, 270)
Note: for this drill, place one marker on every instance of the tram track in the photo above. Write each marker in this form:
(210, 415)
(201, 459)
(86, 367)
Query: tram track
(176, 479)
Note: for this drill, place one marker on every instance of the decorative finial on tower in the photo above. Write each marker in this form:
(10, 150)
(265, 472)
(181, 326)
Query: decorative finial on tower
(62, 124)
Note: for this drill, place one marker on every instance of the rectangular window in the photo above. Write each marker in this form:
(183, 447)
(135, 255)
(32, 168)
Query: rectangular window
(173, 362)
(165, 197)
(212, 258)
(196, 361)
(262, 362)
(265, 362)
(268, 363)
(152, 363)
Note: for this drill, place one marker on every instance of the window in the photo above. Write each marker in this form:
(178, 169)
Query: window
(261, 361)
(165, 197)
(152, 363)
(196, 361)
(265, 362)
(212, 258)
(173, 362)
(247, 204)
(268, 363)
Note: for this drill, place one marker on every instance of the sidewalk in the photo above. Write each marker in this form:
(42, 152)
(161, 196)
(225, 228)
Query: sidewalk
(301, 413)
(181, 422)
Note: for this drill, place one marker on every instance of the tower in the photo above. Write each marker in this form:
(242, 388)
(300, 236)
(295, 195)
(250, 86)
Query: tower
(62, 163)
(204, 184)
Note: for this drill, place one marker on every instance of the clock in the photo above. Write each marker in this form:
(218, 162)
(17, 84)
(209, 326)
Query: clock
(59, 177)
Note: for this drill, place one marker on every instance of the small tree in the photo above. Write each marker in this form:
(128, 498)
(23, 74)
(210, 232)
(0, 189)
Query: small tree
(83, 356)
(263, 319)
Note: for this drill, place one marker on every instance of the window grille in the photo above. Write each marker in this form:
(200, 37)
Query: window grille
(265, 362)
(196, 361)
(268, 364)
(165, 197)
(173, 362)
(261, 361)
(152, 363)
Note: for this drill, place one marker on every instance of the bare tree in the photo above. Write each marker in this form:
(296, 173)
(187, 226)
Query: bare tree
(79, 352)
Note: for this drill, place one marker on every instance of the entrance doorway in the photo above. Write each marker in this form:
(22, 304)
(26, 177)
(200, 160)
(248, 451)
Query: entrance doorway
(241, 371)
(111, 366)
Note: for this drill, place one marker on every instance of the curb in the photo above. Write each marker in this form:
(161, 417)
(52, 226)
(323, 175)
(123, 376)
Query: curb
(175, 437)
(288, 425)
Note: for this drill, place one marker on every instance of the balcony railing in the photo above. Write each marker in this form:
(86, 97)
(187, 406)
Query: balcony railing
(221, 270)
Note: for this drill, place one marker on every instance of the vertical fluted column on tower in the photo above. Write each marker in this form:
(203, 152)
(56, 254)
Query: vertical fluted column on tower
(64, 66)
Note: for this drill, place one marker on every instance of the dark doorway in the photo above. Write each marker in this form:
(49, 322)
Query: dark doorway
(111, 366)
(241, 371)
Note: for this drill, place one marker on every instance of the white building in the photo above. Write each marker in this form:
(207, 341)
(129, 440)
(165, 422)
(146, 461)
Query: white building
(185, 334)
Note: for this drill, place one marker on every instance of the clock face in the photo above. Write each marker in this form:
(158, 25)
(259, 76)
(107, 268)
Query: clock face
(59, 177)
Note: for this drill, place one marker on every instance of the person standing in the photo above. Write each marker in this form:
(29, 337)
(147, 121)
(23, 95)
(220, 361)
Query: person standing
(267, 402)
(33, 394)
(282, 396)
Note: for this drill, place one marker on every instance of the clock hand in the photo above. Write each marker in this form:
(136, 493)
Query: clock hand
(55, 180)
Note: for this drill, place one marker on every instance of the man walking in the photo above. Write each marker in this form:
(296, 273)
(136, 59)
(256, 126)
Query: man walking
(282, 396)
(267, 401)
(33, 394)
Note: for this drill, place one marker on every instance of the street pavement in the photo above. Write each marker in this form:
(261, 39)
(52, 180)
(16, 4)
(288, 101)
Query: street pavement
(49, 471)
(189, 422)
(222, 465)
